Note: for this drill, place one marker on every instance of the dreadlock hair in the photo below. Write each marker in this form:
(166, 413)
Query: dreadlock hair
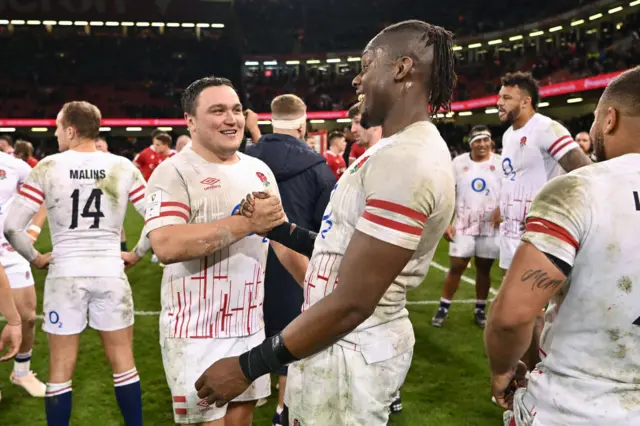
(443, 75)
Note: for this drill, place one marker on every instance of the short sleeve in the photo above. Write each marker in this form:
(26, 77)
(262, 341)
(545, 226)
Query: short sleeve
(396, 210)
(557, 140)
(559, 217)
(138, 191)
(167, 199)
(31, 192)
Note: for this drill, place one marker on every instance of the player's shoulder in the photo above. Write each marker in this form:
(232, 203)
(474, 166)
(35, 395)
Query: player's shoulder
(255, 164)
(550, 126)
(9, 161)
(461, 159)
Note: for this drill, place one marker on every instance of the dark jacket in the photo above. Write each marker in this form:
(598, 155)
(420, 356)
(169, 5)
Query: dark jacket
(305, 183)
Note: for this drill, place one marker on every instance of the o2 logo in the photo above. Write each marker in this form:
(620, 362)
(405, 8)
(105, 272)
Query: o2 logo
(479, 185)
(54, 319)
(507, 168)
(235, 210)
(327, 219)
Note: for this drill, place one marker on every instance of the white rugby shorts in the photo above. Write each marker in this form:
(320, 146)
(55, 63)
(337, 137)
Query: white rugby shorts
(19, 275)
(338, 387)
(107, 301)
(184, 362)
(468, 246)
(508, 247)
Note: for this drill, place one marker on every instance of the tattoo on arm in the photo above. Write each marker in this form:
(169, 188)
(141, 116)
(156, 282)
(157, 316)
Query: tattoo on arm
(574, 159)
(540, 279)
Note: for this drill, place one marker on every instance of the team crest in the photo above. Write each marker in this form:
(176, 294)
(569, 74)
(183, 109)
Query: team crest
(3, 174)
(263, 179)
(27, 275)
(359, 165)
(523, 141)
(466, 169)
(492, 168)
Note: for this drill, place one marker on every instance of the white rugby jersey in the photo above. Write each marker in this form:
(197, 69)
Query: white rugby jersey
(590, 372)
(530, 158)
(13, 173)
(86, 195)
(477, 194)
(219, 295)
(400, 191)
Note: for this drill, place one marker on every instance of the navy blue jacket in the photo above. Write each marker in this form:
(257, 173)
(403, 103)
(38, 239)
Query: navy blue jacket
(305, 183)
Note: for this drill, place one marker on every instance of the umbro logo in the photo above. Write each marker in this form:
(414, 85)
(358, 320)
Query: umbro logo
(211, 183)
(204, 405)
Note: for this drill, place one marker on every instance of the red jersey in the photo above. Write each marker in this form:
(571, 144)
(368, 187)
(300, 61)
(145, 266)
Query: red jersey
(356, 152)
(31, 161)
(335, 162)
(148, 160)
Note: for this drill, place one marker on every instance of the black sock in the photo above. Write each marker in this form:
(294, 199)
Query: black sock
(445, 304)
(481, 305)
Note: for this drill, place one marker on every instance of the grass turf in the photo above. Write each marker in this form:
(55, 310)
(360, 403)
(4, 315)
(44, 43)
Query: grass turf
(448, 383)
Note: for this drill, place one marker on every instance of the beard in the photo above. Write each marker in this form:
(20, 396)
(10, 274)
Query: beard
(512, 116)
(598, 146)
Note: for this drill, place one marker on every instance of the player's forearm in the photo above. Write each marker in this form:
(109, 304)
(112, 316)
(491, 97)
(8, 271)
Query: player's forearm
(15, 230)
(505, 345)
(179, 243)
(296, 264)
(294, 237)
(143, 245)
(7, 304)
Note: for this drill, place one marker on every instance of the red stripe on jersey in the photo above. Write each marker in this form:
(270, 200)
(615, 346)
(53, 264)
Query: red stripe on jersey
(182, 399)
(167, 214)
(392, 224)
(138, 198)
(181, 411)
(544, 226)
(32, 189)
(29, 196)
(561, 147)
(175, 204)
(135, 191)
(557, 143)
(398, 208)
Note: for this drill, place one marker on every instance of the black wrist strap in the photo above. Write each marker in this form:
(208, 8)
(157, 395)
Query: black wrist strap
(300, 240)
(268, 357)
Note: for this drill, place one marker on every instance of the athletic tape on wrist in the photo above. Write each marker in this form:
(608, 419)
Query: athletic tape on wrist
(269, 357)
(299, 240)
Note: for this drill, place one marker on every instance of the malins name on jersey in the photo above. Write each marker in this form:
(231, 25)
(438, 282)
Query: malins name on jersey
(87, 174)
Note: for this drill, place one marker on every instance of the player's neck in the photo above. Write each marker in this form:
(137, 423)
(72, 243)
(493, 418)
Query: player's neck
(479, 158)
(294, 133)
(335, 150)
(213, 157)
(523, 119)
(83, 145)
(405, 113)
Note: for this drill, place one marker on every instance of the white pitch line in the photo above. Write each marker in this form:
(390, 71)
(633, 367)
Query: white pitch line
(463, 278)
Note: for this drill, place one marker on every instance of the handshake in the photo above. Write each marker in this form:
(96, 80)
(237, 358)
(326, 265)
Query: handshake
(263, 210)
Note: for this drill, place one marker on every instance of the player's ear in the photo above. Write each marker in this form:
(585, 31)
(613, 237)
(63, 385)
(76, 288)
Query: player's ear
(611, 121)
(404, 66)
(189, 119)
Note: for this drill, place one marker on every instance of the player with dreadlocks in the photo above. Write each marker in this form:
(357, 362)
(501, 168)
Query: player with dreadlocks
(351, 347)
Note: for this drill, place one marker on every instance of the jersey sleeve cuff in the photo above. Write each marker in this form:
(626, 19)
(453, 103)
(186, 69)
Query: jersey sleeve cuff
(388, 234)
(560, 147)
(551, 239)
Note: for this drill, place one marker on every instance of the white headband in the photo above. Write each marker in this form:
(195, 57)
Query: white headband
(479, 136)
(294, 124)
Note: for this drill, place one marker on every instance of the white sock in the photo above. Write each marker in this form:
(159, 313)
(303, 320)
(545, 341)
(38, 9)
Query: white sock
(55, 389)
(279, 409)
(126, 378)
(22, 364)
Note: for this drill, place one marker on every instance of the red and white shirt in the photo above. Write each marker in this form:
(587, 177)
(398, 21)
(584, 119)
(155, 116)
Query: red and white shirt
(356, 152)
(477, 194)
(401, 191)
(219, 295)
(148, 160)
(335, 162)
(589, 347)
(530, 158)
(86, 195)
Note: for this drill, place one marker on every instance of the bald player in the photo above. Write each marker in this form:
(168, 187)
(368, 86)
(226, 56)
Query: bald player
(579, 256)
(352, 345)
(182, 142)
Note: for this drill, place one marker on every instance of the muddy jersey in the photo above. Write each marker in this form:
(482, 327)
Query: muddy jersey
(13, 173)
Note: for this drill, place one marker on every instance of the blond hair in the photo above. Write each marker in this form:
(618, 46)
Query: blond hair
(84, 116)
(287, 107)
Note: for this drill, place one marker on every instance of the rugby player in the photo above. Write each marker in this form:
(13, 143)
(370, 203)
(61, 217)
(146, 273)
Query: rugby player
(151, 157)
(11, 336)
(86, 193)
(353, 342)
(478, 178)
(333, 155)
(579, 256)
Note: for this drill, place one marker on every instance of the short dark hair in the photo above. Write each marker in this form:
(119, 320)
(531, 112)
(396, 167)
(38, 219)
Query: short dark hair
(526, 82)
(84, 116)
(7, 138)
(624, 90)
(354, 110)
(336, 134)
(191, 93)
(163, 137)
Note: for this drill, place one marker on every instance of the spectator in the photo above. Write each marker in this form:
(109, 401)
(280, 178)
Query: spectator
(24, 151)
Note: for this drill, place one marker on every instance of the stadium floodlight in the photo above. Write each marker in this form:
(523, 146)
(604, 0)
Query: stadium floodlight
(353, 59)
(578, 22)
(142, 24)
(456, 48)
(157, 24)
(49, 23)
(264, 122)
(316, 121)
(127, 24)
(203, 25)
(173, 25)
(574, 100)
(554, 29)
(543, 104)
(188, 25)
(634, 3)
(33, 22)
(113, 24)
(134, 129)
(492, 42)
(293, 62)
(105, 129)
(96, 23)
(251, 63)
(39, 129)
(333, 60)
(65, 23)
(465, 113)
(217, 25)
(343, 120)
(7, 129)
(4, 22)
(536, 33)
(17, 22)
(515, 38)
(439, 115)
(491, 111)
(474, 45)
(615, 10)
(313, 61)
(270, 63)
(450, 114)
(596, 16)
(165, 129)
(81, 23)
